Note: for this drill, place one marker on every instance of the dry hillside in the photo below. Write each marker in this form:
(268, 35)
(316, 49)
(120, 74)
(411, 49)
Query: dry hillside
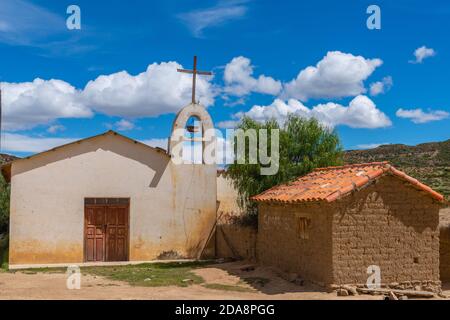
(4, 158)
(427, 162)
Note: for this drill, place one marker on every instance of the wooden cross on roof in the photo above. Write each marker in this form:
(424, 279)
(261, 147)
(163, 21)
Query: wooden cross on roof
(194, 72)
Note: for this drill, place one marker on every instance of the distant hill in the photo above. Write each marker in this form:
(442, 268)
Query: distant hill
(427, 162)
(4, 158)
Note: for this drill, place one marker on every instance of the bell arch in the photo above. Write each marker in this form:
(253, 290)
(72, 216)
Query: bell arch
(177, 137)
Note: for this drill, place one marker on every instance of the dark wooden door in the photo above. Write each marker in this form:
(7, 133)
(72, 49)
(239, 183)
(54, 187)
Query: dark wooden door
(95, 233)
(106, 231)
(117, 233)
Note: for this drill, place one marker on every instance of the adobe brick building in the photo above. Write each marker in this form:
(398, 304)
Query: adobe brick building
(332, 224)
(444, 249)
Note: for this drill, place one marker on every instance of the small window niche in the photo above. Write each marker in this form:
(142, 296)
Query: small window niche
(303, 227)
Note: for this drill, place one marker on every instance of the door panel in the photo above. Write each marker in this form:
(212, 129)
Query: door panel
(106, 232)
(94, 233)
(117, 235)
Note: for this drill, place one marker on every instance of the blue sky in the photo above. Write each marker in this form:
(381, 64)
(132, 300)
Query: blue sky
(269, 58)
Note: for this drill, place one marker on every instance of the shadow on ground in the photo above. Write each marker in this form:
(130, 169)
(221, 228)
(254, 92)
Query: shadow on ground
(262, 279)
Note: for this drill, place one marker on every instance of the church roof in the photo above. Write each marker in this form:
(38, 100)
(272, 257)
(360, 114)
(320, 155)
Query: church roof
(6, 168)
(331, 183)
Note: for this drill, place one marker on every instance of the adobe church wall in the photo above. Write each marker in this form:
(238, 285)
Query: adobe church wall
(170, 212)
(296, 239)
(389, 225)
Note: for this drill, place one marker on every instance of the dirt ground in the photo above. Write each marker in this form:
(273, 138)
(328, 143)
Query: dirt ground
(221, 280)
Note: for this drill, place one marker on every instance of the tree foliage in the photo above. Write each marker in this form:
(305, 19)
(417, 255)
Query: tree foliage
(4, 205)
(304, 144)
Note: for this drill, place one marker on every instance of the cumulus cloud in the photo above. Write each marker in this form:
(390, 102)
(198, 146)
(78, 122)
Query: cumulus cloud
(239, 80)
(382, 86)
(227, 124)
(365, 146)
(55, 128)
(12, 142)
(422, 53)
(24, 23)
(225, 11)
(420, 116)
(28, 104)
(158, 90)
(156, 143)
(337, 75)
(360, 113)
(194, 152)
(124, 125)
(191, 153)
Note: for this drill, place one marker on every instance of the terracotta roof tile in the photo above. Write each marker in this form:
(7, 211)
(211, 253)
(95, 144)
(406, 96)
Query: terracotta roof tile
(331, 183)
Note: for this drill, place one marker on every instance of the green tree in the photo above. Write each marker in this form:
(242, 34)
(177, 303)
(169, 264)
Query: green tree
(305, 144)
(4, 205)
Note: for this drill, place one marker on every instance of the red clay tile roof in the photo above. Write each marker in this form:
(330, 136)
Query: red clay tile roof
(331, 183)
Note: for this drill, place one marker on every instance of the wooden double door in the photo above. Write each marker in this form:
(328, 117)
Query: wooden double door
(106, 231)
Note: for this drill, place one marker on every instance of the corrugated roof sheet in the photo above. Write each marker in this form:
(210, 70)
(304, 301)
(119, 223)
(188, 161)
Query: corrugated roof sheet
(331, 183)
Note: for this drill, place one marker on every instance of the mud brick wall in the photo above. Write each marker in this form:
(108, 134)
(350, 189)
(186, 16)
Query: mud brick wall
(232, 239)
(280, 244)
(445, 253)
(236, 241)
(388, 224)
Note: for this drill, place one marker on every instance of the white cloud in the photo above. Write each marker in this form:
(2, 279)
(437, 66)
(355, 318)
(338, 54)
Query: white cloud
(124, 125)
(28, 104)
(382, 86)
(158, 90)
(23, 23)
(156, 143)
(22, 143)
(361, 113)
(239, 80)
(161, 89)
(193, 152)
(423, 53)
(337, 75)
(55, 128)
(235, 102)
(225, 11)
(365, 146)
(420, 116)
(227, 124)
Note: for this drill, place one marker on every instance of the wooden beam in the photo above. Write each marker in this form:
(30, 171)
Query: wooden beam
(409, 293)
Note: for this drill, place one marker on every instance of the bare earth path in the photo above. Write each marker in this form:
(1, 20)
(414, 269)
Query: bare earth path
(20, 285)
